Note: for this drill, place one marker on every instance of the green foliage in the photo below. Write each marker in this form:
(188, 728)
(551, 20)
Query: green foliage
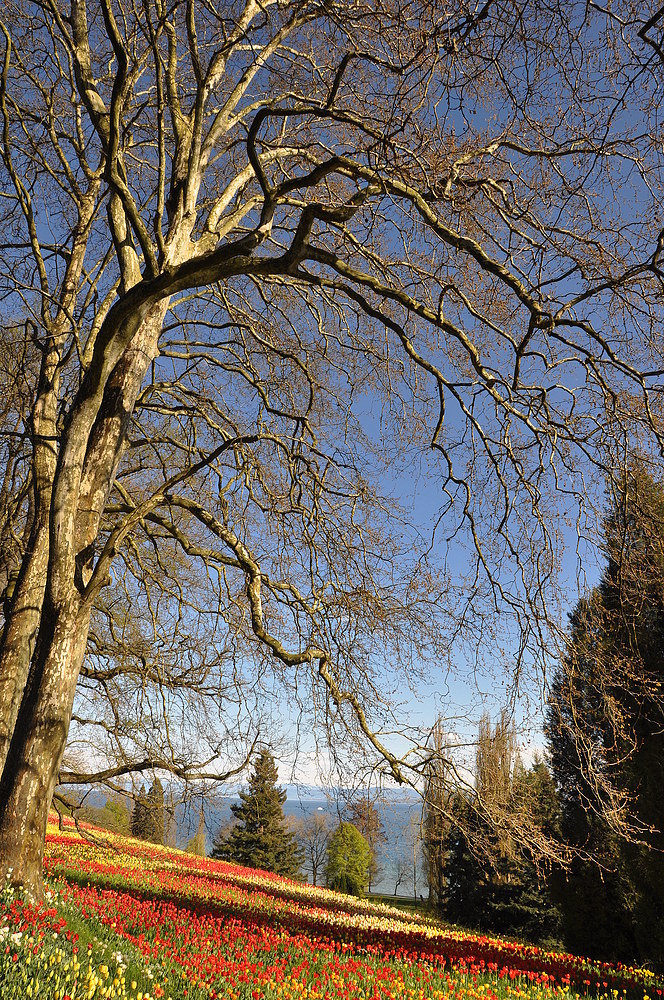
(348, 861)
(363, 813)
(260, 838)
(196, 844)
(492, 882)
(605, 729)
(113, 816)
(83, 961)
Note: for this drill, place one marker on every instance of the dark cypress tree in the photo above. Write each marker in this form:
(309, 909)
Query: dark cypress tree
(147, 818)
(465, 883)
(260, 839)
(595, 916)
(155, 819)
(139, 815)
(605, 728)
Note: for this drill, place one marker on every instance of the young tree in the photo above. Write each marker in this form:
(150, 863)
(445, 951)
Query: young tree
(113, 815)
(155, 820)
(227, 225)
(348, 861)
(139, 822)
(196, 844)
(363, 812)
(260, 837)
(402, 869)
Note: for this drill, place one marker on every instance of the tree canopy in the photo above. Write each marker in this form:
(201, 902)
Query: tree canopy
(348, 861)
(260, 260)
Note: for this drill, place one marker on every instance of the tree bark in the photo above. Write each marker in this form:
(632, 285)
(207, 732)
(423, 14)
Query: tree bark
(19, 636)
(47, 670)
(40, 735)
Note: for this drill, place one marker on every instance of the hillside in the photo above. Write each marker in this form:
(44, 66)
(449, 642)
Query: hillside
(129, 920)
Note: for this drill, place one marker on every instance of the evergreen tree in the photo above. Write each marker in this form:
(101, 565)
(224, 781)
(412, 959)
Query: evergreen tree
(596, 919)
(522, 903)
(260, 838)
(147, 818)
(464, 900)
(348, 861)
(605, 728)
(139, 815)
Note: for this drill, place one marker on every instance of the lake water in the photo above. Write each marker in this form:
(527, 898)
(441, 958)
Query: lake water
(399, 859)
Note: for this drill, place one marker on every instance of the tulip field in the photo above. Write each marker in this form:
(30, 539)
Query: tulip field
(129, 920)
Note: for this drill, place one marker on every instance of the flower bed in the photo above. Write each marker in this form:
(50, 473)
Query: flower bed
(135, 921)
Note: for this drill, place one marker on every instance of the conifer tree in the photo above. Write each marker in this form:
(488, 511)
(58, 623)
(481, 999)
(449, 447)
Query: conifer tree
(605, 729)
(147, 818)
(139, 814)
(260, 838)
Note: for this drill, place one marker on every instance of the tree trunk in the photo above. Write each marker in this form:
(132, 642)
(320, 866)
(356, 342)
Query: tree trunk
(46, 672)
(40, 735)
(19, 636)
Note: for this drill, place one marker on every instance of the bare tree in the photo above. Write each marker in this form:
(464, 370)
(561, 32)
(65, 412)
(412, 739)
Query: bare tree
(496, 760)
(313, 835)
(402, 867)
(231, 228)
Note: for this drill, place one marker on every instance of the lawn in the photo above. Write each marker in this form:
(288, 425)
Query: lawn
(125, 919)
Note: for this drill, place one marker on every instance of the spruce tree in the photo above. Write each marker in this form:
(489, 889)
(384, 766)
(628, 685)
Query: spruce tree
(260, 838)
